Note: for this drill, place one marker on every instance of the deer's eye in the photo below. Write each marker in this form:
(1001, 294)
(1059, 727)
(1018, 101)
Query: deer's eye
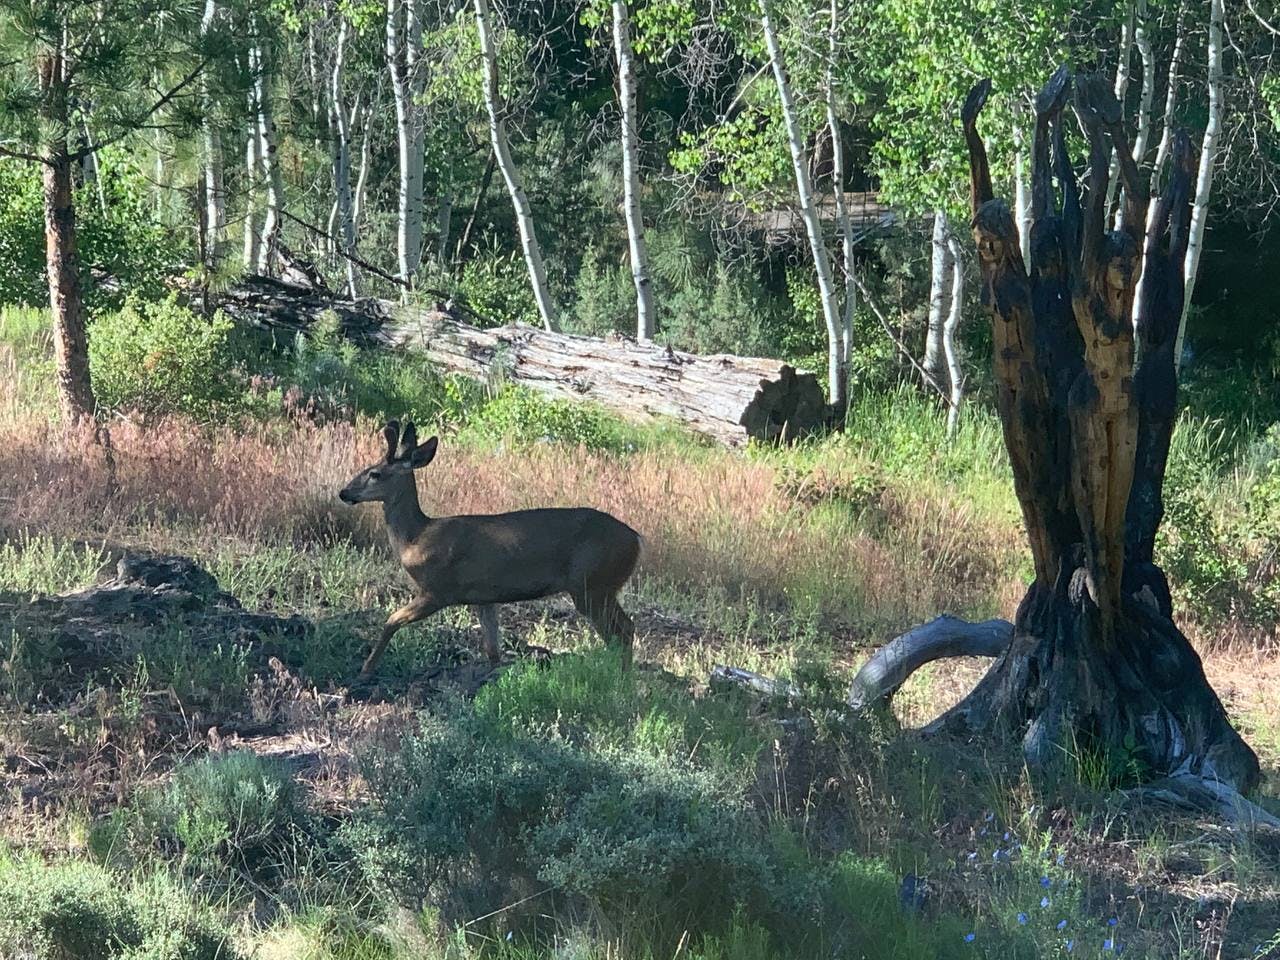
(375, 475)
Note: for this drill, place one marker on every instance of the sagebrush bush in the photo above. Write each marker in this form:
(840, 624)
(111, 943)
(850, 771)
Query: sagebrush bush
(225, 817)
(78, 911)
(159, 357)
(631, 826)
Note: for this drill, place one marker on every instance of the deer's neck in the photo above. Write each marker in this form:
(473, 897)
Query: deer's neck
(405, 519)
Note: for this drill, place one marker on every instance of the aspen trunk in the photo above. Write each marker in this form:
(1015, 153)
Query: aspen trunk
(955, 372)
(339, 122)
(808, 209)
(1204, 178)
(269, 161)
(215, 216)
(939, 276)
(403, 50)
(1022, 194)
(843, 224)
(366, 152)
(506, 165)
(646, 319)
(252, 238)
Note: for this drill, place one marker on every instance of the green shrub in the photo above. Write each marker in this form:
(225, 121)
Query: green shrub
(632, 825)
(225, 817)
(519, 415)
(496, 286)
(604, 295)
(118, 235)
(77, 911)
(161, 358)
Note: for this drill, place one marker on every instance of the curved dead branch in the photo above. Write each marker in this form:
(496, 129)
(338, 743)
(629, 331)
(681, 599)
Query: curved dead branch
(940, 638)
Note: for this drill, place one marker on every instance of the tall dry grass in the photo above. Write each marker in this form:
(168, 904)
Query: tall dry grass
(720, 522)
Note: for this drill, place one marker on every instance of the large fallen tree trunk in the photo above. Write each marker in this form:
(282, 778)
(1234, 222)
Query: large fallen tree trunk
(731, 399)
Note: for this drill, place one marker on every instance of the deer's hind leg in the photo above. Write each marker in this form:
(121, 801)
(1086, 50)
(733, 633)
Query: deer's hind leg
(602, 608)
(490, 642)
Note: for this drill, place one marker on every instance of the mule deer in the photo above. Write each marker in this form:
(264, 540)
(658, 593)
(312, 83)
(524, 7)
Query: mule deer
(496, 558)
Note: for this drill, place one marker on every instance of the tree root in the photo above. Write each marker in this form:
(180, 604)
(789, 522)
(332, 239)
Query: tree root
(941, 638)
(1200, 794)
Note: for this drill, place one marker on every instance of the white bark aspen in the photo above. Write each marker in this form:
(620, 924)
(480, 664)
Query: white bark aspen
(954, 370)
(1142, 40)
(252, 238)
(502, 151)
(646, 319)
(346, 231)
(1121, 89)
(403, 50)
(1166, 136)
(91, 171)
(939, 277)
(1022, 197)
(1204, 178)
(808, 209)
(366, 153)
(211, 159)
(843, 223)
(267, 159)
(1170, 102)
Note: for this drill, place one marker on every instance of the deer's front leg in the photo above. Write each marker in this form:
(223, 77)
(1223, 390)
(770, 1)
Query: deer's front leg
(419, 608)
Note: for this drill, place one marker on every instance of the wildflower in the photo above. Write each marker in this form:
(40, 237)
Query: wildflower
(969, 937)
(1062, 925)
(1022, 919)
(1071, 945)
(1044, 902)
(1108, 944)
(1062, 858)
(1045, 881)
(1006, 836)
(973, 855)
(1112, 922)
(989, 817)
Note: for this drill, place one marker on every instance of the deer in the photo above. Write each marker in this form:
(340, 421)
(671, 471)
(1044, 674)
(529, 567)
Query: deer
(488, 559)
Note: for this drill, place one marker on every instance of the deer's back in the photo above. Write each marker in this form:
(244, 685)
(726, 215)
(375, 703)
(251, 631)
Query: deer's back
(507, 557)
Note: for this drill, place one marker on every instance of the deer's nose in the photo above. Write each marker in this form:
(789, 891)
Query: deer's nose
(345, 496)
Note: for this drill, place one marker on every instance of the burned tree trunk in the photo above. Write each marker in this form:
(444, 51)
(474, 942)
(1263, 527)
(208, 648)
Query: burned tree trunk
(1095, 662)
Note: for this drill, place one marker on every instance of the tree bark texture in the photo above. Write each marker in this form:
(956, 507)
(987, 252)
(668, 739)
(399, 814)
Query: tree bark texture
(646, 318)
(1204, 177)
(507, 166)
(62, 265)
(1096, 662)
(836, 374)
(727, 398)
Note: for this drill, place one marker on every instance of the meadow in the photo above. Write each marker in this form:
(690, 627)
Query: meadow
(197, 797)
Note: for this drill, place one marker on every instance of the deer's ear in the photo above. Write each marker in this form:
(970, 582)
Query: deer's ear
(391, 434)
(408, 440)
(424, 454)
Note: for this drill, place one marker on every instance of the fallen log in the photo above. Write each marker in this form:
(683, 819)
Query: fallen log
(728, 398)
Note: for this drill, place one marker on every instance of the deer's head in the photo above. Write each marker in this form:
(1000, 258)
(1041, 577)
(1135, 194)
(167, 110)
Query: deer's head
(393, 474)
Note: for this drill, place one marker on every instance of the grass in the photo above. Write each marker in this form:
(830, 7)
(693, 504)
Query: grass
(571, 810)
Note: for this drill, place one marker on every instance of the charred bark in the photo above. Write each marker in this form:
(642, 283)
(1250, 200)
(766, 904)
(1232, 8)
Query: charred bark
(1096, 662)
